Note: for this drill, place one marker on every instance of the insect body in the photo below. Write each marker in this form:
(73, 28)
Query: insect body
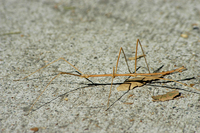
(139, 79)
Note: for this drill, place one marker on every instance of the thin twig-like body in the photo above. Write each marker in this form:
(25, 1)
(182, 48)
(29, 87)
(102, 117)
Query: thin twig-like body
(150, 76)
(133, 74)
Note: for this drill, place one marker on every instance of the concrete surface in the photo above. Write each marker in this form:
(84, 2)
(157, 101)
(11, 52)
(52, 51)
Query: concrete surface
(89, 35)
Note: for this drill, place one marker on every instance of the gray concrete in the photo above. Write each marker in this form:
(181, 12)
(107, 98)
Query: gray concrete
(89, 34)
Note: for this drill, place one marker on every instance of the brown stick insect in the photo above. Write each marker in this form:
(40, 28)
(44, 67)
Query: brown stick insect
(139, 79)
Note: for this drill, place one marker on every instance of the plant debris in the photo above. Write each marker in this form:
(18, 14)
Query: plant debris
(168, 96)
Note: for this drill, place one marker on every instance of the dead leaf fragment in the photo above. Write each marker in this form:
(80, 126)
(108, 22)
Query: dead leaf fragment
(131, 95)
(34, 129)
(184, 35)
(137, 82)
(129, 85)
(66, 99)
(166, 97)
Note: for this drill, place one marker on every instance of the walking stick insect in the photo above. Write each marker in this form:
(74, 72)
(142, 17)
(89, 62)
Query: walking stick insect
(142, 77)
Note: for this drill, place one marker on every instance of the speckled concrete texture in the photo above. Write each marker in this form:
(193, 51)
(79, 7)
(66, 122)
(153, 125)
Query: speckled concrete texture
(89, 35)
